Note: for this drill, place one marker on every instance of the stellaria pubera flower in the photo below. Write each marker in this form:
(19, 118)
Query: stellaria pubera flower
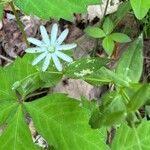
(51, 48)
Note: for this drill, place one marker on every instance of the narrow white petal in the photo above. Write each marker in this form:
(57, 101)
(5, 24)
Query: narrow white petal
(46, 62)
(35, 50)
(57, 63)
(66, 46)
(54, 32)
(39, 58)
(44, 34)
(35, 41)
(64, 56)
(62, 37)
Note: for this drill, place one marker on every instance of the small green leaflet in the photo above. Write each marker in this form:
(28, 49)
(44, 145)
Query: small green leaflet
(127, 138)
(64, 124)
(119, 37)
(54, 8)
(131, 63)
(108, 45)
(95, 32)
(108, 26)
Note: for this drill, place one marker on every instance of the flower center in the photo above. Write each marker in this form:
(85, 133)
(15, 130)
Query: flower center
(51, 49)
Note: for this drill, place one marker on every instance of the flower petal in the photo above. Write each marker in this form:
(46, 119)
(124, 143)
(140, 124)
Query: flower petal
(46, 62)
(44, 34)
(57, 62)
(35, 42)
(35, 50)
(39, 58)
(64, 56)
(54, 32)
(66, 46)
(62, 37)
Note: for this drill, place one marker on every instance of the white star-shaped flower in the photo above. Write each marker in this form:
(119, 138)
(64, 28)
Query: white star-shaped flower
(50, 48)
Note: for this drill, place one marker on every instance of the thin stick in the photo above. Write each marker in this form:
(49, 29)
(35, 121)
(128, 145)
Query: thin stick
(5, 58)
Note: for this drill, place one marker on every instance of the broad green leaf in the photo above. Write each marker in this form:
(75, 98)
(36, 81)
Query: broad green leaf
(55, 8)
(127, 138)
(16, 135)
(131, 62)
(108, 25)
(108, 45)
(95, 32)
(64, 124)
(84, 67)
(140, 7)
(12, 75)
(120, 37)
(6, 110)
(112, 111)
(50, 78)
(139, 98)
(105, 76)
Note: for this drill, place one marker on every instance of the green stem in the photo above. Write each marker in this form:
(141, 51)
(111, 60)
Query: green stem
(100, 25)
(105, 11)
(20, 25)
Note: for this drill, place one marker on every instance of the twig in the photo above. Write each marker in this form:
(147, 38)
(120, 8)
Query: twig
(5, 58)
(35, 94)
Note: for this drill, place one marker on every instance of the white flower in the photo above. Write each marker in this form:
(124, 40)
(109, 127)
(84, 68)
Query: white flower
(50, 48)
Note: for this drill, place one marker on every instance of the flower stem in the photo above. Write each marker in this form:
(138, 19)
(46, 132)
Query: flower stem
(105, 11)
(20, 25)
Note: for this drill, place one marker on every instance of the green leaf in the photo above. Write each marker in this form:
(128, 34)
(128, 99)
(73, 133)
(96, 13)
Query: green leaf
(54, 9)
(50, 78)
(120, 37)
(89, 105)
(84, 67)
(12, 75)
(16, 135)
(105, 76)
(111, 111)
(131, 62)
(95, 32)
(64, 124)
(139, 98)
(140, 7)
(128, 138)
(6, 109)
(121, 12)
(108, 25)
(108, 45)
